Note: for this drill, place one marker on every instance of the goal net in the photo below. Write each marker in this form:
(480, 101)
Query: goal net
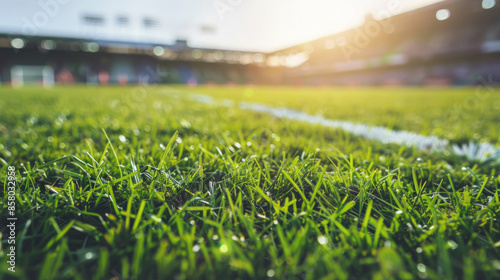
(22, 75)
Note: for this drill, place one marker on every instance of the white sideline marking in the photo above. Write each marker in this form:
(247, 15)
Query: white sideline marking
(474, 151)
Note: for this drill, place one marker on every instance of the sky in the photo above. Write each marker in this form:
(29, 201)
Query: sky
(250, 25)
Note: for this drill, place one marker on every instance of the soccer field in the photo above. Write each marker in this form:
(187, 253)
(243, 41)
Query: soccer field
(251, 182)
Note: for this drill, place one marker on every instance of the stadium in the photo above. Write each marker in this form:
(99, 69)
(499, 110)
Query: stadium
(250, 140)
(390, 51)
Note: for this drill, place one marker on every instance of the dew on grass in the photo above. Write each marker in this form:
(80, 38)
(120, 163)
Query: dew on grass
(215, 237)
(419, 160)
(224, 248)
(421, 267)
(156, 219)
(32, 120)
(220, 152)
(399, 212)
(50, 139)
(317, 150)
(419, 250)
(62, 118)
(89, 255)
(136, 132)
(452, 244)
(387, 244)
(191, 222)
(243, 160)
(322, 240)
(275, 222)
(8, 153)
(237, 145)
(162, 147)
(122, 138)
(191, 147)
(249, 144)
(24, 146)
(196, 248)
(179, 140)
(62, 145)
(186, 159)
(270, 273)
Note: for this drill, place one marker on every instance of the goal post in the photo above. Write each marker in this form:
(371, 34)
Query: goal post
(22, 75)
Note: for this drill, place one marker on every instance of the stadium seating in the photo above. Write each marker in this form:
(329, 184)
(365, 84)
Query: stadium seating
(421, 50)
(414, 49)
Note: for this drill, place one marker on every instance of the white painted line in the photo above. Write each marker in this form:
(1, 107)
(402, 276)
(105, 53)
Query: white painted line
(473, 151)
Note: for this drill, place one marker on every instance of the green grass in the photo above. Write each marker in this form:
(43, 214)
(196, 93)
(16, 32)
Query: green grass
(459, 115)
(144, 183)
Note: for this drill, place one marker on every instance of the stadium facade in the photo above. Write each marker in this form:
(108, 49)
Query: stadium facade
(455, 42)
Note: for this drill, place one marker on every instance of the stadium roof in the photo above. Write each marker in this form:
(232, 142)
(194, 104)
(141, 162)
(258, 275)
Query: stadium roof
(257, 25)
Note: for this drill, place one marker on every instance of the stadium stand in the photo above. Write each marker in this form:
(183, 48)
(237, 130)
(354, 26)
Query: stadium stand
(448, 43)
(453, 42)
(78, 61)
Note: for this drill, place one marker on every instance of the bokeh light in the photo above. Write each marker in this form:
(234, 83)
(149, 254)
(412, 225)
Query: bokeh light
(443, 14)
(17, 43)
(488, 4)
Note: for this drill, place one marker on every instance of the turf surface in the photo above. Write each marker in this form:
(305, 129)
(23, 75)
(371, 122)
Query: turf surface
(145, 183)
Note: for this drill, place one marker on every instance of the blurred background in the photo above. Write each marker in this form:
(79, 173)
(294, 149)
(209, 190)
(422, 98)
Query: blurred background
(278, 42)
